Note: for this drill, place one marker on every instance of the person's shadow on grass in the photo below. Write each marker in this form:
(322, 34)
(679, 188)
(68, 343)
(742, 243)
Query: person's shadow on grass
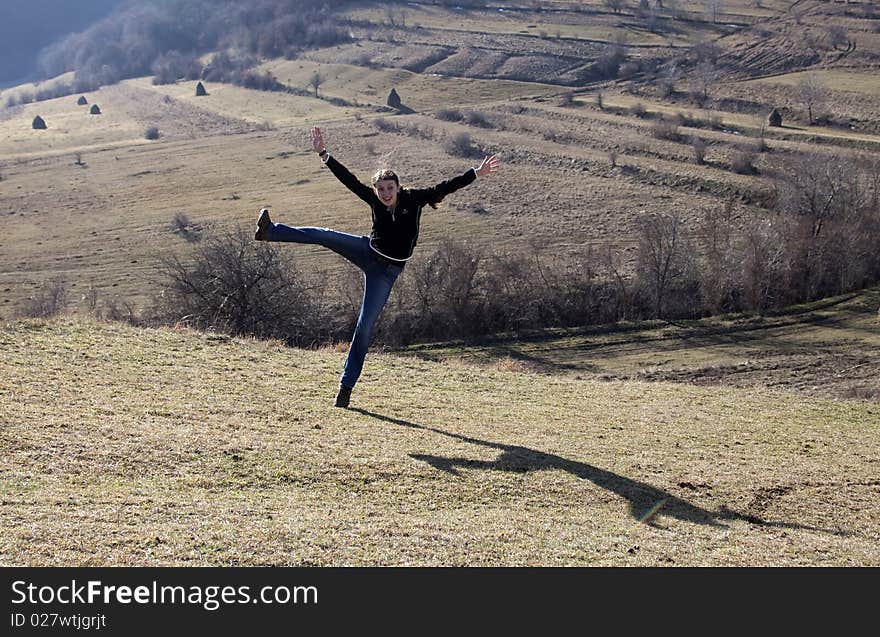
(646, 503)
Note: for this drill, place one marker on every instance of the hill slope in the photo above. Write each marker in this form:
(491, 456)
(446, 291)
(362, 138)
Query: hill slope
(156, 447)
(830, 349)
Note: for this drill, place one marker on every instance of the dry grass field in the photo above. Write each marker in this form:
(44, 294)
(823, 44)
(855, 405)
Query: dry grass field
(757, 435)
(183, 448)
(828, 349)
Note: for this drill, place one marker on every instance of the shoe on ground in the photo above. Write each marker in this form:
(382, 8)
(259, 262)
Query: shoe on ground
(263, 224)
(343, 397)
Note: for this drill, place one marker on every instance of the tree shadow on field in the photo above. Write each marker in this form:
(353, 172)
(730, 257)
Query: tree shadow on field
(646, 503)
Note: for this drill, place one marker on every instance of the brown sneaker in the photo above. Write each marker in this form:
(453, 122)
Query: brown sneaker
(263, 224)
(343, 396)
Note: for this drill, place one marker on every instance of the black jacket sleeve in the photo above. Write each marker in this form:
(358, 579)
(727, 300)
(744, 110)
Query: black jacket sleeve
(351, 182)
(436, 193)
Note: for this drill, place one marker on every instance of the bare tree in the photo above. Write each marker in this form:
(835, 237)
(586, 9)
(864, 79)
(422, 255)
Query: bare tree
(609, 60)
(814, 192)
(615, 5)
(396, 15)
(762, 269)
(720, 260)
(704, 78)
(667, 80)
(698, 145)
(659, 257)
(811, 93)
(706, 51)
(713, 8)
(613, 268)
(315, 81)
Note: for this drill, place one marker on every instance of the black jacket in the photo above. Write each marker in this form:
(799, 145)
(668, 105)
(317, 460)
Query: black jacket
(395, 232)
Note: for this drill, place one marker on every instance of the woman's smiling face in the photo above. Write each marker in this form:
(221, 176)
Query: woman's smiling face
(386, 190)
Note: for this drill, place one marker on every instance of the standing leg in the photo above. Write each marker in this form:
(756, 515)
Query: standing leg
(379, 278)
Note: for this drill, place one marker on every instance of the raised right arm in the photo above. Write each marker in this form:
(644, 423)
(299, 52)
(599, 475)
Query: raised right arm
(342, 173)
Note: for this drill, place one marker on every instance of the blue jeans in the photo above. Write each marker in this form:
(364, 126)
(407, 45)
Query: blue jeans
(379, 278)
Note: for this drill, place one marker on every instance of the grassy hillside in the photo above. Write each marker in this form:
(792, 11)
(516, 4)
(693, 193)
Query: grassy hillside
(829, 348)
(168, 447)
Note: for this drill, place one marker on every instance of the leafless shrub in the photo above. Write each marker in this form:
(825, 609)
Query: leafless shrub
(629, 69)
(477, 118)
(181, 224)
(567, 99)
(760, 144)
(638, 109)
(706, 51)
(713, 121)
(113, 308)
(386, 125)
(550, 133)
(118, 309)
(666, 83)
(90, 299)
(863, 393)
(612, 157)
(837, 35)
(438, 295)
(50, 299)
(743, 161)
(173, 66)
(449, 114)
(233, 284)
(665, 129)
(698, 146)
(414, 129)
(608, 63)
(461, 145)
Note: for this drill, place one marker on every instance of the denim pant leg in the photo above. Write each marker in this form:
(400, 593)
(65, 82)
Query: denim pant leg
(379, 278)
(353, 247)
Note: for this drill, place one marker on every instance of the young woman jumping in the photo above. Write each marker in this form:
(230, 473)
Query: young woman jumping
(383, 254)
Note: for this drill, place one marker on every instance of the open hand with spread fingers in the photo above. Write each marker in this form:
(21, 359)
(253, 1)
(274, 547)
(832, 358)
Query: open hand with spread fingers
(489, 166)
(317, 140)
